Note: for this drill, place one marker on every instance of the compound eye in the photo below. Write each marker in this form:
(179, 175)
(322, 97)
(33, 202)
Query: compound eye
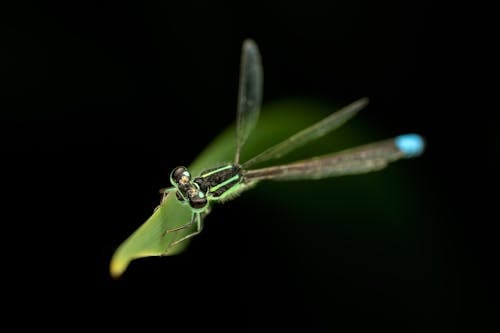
(198, 202)
(180, 175)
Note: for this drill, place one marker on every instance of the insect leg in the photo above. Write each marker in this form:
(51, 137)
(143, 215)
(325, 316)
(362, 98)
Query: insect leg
(199, 227)
(164, 192)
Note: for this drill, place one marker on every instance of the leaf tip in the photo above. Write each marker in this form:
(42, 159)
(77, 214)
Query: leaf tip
(117, 267)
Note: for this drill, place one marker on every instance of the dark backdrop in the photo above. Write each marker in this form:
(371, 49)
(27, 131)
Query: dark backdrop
(90, 93)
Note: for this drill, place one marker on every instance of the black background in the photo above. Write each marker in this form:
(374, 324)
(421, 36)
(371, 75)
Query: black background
(89, 93)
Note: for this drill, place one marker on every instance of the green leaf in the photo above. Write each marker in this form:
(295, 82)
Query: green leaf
(277, 122)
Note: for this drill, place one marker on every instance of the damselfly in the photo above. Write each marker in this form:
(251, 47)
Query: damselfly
(228, 180)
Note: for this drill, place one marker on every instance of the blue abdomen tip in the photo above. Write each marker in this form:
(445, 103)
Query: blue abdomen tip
(411, 145)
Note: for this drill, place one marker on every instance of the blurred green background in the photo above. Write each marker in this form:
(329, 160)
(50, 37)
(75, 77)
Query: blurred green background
(100, 100)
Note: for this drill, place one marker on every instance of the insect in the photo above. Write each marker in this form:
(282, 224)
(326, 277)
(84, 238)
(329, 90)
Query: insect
(228, 180)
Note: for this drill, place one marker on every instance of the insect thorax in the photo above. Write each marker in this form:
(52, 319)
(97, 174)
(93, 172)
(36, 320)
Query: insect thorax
(219, 182)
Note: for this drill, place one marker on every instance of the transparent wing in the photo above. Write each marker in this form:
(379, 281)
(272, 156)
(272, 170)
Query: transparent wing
(250, 94)
(313, 132)
(367, 158)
